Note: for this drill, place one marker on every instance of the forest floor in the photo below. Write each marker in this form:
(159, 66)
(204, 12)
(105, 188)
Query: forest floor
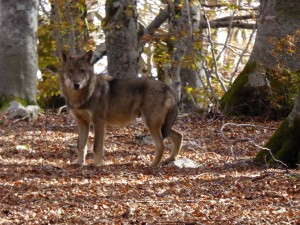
(40, 185)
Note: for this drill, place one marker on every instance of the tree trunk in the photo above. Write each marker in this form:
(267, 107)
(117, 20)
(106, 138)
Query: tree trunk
(121, 38)
(274, 52)
(180, 28)
(18, 50)
(188, 72)
(284, 145)
(64, 26)
(69, 25)
(184, 23)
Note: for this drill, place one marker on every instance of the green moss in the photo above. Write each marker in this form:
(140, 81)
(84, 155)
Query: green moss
(274, 100)
(242, 99)
(284, 145)
(228, 99)
(5, 100)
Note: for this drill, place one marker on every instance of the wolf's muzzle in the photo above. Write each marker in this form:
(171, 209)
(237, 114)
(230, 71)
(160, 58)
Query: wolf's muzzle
(76, 86)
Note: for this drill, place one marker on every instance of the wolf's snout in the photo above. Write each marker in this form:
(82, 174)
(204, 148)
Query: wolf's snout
(76, 86)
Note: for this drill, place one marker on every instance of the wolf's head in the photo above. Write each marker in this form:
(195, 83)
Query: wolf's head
(77, 71)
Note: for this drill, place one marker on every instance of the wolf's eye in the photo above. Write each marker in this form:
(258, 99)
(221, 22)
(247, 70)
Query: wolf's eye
(71, 70)
(82, 70)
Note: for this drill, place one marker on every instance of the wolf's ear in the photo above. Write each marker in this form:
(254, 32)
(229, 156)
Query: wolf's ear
(89, 56)
(64, 55)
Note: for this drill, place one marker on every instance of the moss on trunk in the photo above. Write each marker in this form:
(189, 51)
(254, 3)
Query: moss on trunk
(242, 98)
(274, 99)
(5, 100)
(284, 145)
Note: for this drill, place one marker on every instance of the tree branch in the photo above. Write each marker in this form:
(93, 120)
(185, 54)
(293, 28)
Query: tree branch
(226, 24)
(156, 23)
(223, 86)
(230, 21)
(228, 18)
(162, 16)
(99, 53)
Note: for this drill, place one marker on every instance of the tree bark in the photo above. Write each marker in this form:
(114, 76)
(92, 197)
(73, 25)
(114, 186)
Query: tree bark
(69, 26)
(181, 30)
(284, 145)
(188, 72)
(18, 50)
(274, 52)
(121, 38)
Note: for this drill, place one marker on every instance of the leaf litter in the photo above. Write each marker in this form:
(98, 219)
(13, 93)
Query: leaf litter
(40, 185)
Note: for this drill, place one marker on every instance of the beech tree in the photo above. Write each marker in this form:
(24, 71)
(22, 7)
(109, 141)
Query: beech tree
(63, 25)
(121, 38)
(18, 51)
(284, 146)
(271, 72)
(268, 82)
(184, 27)
(69, 26)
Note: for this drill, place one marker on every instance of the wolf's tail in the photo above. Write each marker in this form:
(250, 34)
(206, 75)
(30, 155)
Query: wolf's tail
(170, 119)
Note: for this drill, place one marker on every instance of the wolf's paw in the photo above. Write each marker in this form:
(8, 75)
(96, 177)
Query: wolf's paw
(168, 160)
(98, 161)
(101, 163)
(79, 161)
(154, 164)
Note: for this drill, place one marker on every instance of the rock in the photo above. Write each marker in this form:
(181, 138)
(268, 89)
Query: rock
(184, 163)
(17, 110)
(33, 111)
(144, 139)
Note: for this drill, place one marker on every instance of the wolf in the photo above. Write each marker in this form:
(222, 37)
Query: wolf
(101, 101)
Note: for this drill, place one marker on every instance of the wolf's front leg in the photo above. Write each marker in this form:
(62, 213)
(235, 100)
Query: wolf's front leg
(83, 133)
(99, 142)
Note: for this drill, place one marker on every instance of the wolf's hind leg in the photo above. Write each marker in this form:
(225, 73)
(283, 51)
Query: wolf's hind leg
(99, 143)
(176, 137)
(159, 144)
(83, 133)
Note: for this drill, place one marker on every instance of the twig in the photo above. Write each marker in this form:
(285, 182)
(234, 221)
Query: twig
(27, 117)
(229, 33)
(270, 152)
(250, 141)
(209, 84)
(223, 86)
(61, 109)
(242, 55)
(238, 125)
(241, 125)
(44, 10)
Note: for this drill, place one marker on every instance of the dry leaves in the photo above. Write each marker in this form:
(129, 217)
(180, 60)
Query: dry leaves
(39, 184)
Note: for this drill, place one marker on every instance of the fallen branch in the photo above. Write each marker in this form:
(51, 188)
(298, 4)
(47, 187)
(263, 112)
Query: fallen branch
(250, 140)
(271, 154)
(20, 119)
(237, 125)
(64, 107)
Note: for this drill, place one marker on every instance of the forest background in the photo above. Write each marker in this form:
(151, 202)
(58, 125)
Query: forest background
(234, 65)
